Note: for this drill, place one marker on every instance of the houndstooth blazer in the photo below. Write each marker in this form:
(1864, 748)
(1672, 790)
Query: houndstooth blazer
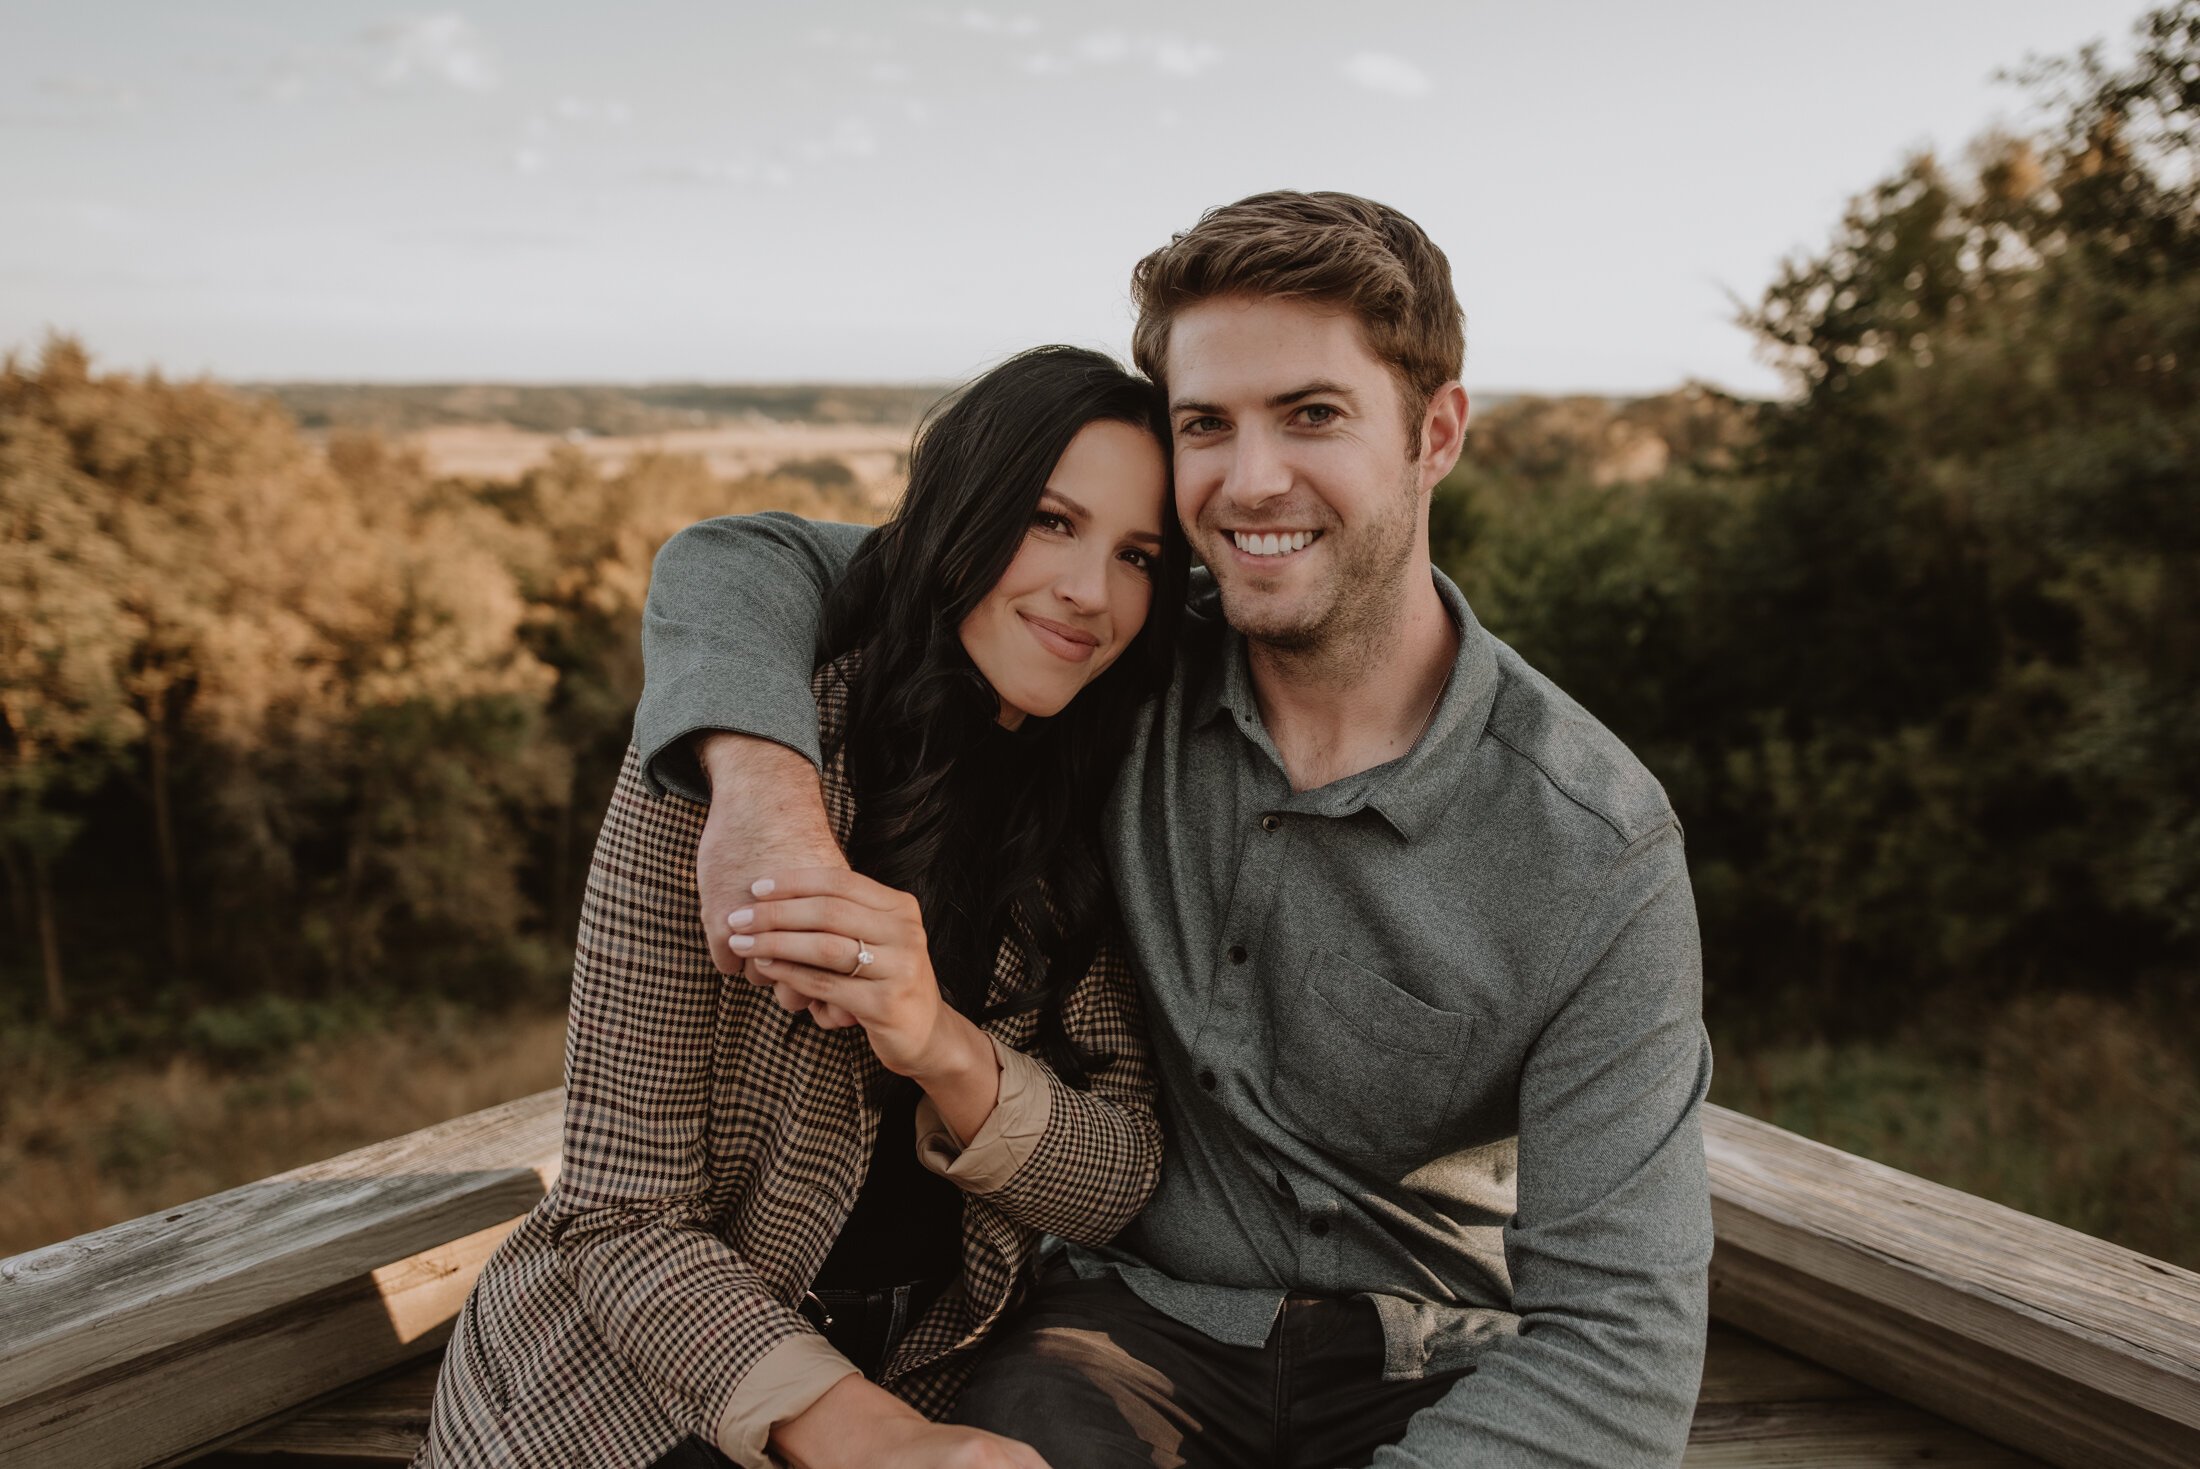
(713, 1147)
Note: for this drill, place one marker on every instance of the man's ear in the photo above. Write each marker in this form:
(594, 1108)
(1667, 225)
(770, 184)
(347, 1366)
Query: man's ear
(1443, 433)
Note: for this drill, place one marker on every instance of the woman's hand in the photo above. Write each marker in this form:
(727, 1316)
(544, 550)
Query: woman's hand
(805, 933)
(858, 1423)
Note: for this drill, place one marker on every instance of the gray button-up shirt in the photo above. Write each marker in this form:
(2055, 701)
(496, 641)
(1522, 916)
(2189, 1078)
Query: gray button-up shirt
(1430, 1034)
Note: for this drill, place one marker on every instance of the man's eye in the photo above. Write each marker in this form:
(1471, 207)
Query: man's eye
(1319, 414)
(1193, 427)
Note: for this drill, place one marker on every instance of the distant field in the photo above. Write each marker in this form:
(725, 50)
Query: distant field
(599, 408)
(835, 436)
(873, 456)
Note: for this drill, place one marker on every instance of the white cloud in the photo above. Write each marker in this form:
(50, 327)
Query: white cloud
(579, 109)
(889, 73)
(530, 161)
(986, 23)
(97, 93)
(1104, 48)
(851, 137)
(444, 49)
(1379, 71)
(1184, 58)
(1043, 64)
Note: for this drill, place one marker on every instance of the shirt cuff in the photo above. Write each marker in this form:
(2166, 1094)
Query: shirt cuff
(789, 1378)
(1008, 1139)
(747, 697)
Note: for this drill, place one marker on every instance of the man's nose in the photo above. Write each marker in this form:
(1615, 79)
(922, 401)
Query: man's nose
(1258, 471)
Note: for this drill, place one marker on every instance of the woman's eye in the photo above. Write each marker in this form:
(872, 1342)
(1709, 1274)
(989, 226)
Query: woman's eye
(1049, 521)
(1143, 560)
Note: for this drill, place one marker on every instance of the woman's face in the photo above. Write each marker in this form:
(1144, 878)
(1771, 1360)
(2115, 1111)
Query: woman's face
(1078, 590)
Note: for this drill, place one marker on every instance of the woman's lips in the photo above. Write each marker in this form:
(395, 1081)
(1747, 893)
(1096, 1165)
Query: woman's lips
(1062, 641)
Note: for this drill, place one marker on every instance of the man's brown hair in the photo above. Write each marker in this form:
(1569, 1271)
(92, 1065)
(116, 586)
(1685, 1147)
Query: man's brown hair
(1333, 249)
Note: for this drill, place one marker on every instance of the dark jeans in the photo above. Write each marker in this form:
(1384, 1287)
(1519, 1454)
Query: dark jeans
(1094, 1378)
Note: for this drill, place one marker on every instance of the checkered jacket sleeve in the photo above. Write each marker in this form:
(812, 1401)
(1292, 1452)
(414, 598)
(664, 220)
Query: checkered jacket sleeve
(1100, 1155)
(640, 1195)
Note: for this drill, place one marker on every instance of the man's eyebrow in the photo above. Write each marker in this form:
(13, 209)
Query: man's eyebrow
(1319, 388)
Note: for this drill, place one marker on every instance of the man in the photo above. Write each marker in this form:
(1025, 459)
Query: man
(1414, 931)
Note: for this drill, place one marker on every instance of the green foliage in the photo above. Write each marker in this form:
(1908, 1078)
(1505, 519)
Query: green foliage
(1916, 652)
(283, 723)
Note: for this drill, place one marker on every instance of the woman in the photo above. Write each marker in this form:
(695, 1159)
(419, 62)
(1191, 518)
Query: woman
(744, 1249)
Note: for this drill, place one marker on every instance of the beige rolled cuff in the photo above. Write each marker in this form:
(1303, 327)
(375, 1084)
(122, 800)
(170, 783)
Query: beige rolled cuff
(1008, 1139)
(788, 1379)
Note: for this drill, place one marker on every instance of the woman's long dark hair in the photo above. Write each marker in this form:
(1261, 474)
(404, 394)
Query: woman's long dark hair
(995, 835)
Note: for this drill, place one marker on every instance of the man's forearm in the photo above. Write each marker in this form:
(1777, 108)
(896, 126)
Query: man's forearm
(767, 814)
(764, 782)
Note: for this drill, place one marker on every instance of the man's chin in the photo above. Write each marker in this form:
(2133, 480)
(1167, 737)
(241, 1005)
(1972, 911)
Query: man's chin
(1283, 624)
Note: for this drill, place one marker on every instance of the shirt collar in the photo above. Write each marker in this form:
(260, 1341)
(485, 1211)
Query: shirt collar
(1413, 790)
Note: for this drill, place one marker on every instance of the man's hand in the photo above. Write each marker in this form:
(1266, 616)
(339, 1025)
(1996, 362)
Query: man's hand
(858, 1423)
(766, 815)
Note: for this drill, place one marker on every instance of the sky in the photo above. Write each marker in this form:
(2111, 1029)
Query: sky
(680, 190)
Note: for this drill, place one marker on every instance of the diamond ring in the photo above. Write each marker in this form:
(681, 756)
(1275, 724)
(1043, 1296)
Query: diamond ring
(864, 956)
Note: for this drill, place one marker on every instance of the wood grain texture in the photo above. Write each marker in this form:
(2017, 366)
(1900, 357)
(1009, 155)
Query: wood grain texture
(2062, 1345)
(168, 1406)
(1760, 1406)
(138, 1344)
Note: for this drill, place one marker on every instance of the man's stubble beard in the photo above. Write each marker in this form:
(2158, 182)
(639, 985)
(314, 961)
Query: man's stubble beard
(1356, 609)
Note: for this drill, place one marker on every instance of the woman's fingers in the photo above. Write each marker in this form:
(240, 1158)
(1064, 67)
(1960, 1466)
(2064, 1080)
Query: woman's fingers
(820, 914)
(832, 952)
(829, 882)
(813, 984)
(830, 1016)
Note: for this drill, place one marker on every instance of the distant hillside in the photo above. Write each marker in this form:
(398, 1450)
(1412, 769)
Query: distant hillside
(596, 408)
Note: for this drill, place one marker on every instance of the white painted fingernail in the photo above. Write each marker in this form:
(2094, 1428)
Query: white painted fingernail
(742, 943)
(763, 887)
(739, 916)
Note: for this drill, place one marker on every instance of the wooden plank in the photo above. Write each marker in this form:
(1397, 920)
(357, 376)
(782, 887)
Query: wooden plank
(168, 1406)
(384, 1420)
(1759, 1406)
(2065, 1346)
(138, 1344)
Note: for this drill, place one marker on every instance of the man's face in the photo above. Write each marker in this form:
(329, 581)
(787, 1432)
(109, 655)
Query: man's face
(1296, 476)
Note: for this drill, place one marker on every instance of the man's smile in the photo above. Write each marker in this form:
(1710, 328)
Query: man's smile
(1273, 545)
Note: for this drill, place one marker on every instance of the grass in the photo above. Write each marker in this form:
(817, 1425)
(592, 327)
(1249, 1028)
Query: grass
(88, 1143)
(2076, 1108)
(2079, 1109)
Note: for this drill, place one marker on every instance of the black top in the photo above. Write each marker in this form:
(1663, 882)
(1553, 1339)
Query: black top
(907, 1222)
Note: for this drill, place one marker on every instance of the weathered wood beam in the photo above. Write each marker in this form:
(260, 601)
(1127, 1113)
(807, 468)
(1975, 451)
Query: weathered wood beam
(2072, 1349)
(138, 1344)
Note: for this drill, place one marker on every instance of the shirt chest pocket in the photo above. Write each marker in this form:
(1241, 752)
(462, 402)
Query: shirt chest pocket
(1362, 1067)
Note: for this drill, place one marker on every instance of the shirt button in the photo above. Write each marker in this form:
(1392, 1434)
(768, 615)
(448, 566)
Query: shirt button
(1207, 1080)
(1237, 953)
(1270, 823)
(1318, 1228)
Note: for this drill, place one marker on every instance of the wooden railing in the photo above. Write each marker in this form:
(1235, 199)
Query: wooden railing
(145, 1342)
(170, 1335)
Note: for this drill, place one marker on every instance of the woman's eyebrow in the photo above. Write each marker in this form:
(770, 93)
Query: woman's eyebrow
(1079, 512)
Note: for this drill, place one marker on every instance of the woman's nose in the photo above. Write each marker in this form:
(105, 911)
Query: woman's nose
(1083, 581)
